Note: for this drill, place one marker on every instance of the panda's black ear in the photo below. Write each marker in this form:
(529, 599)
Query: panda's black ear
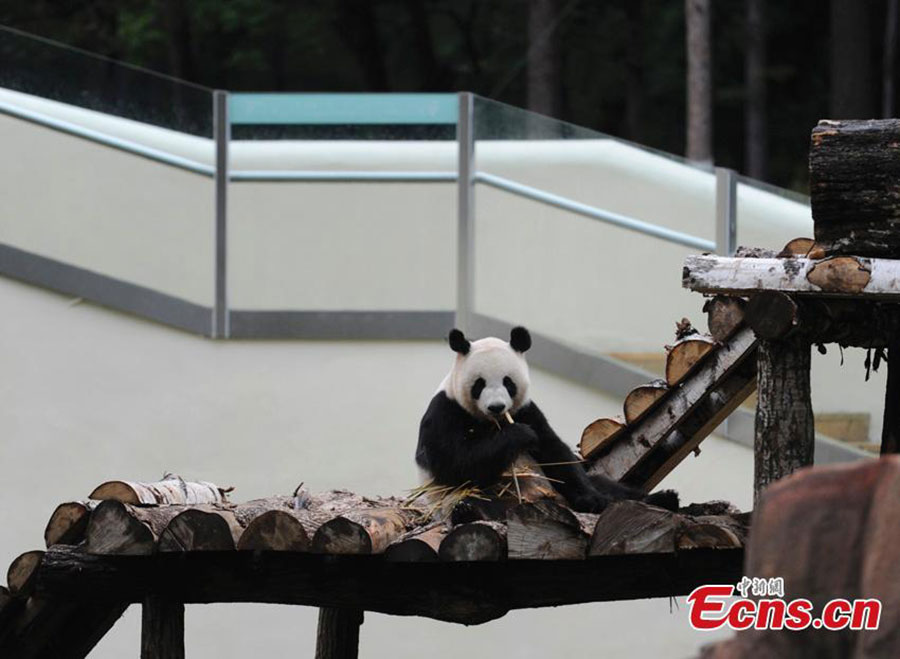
(520, 339)
(458, 342)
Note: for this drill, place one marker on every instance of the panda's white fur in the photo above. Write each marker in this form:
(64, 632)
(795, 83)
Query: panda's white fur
(472, 434)
(493, 360)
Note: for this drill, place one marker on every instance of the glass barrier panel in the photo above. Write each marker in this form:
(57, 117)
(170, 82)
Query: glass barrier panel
(95, 178)
(342, 202)
(50, 70)
(547, 257)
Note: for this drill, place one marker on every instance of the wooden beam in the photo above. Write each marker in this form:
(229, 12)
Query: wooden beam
(890, 432)
(338, 633)
(467, 592)
(162, 628)
(62, 628)
(785, 434)
(841, 276)
(775, 315)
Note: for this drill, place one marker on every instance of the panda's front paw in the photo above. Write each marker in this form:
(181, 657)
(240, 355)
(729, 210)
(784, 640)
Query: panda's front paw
(590, 503)
(520, 435)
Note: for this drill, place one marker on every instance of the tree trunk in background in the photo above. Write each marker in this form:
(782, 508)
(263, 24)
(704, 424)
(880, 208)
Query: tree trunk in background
(357, 25)
(634, 70)
(699, 80)
(181, 61)
(756, 136)
(433, 75)
(543, 58)
(889, 60)
(852, 88)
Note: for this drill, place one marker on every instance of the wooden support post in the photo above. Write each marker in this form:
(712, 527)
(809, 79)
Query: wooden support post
(338, 635)
(890, 432)
(162, 629)
(785, 434)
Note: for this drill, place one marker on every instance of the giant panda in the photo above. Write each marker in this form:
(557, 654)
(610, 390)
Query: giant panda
(463, 437)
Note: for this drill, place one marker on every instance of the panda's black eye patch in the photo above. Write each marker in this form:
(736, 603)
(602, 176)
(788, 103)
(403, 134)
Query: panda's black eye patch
(477, 388)
(510, 386)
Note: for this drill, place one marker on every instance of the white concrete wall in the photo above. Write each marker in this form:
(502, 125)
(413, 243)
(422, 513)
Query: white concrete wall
(89, 394)
(314, 246)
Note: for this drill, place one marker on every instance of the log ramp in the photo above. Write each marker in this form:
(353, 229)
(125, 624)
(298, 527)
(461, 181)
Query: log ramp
(664, 421)
(345, 554)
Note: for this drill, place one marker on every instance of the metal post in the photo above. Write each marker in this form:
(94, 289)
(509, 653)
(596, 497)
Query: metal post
(222, 135)
(465, 257)
(726, 211)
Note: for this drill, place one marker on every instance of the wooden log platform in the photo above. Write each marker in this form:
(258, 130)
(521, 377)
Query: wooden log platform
(374, 554)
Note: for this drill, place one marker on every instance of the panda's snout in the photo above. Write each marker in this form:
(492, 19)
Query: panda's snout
(497, 408)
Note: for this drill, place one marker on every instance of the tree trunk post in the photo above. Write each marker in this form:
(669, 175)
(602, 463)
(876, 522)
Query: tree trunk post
(338, 634)
(890, 431)
(785, 435)
(162, 629)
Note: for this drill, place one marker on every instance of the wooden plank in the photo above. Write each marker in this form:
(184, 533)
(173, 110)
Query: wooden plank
(838, 277)
(638, 441)
(162, 629)
(785, 430)
(466, 592)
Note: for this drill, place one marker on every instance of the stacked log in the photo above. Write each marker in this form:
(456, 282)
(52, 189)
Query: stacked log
(344, 529)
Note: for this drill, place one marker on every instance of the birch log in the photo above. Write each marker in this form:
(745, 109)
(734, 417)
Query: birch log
(641, 439)
(171, 490)
(853, 171)
(833, 277)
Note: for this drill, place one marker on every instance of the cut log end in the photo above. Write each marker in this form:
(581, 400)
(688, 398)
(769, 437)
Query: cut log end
(724, 315)
(420, 546)
(112, 529)
(642, 398)
(22, 572)
(198, 530)
(685, 355)
(68, 523)
(274, 530)
(597, 435)
(475, 541)
(545, 531)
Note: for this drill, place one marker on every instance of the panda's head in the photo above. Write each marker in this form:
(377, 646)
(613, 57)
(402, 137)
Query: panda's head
(490, 376)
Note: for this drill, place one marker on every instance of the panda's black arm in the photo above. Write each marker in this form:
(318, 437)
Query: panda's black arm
(457, 448)
(574, 483)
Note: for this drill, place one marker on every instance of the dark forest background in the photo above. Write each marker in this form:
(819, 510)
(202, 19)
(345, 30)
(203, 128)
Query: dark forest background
(739, 82)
